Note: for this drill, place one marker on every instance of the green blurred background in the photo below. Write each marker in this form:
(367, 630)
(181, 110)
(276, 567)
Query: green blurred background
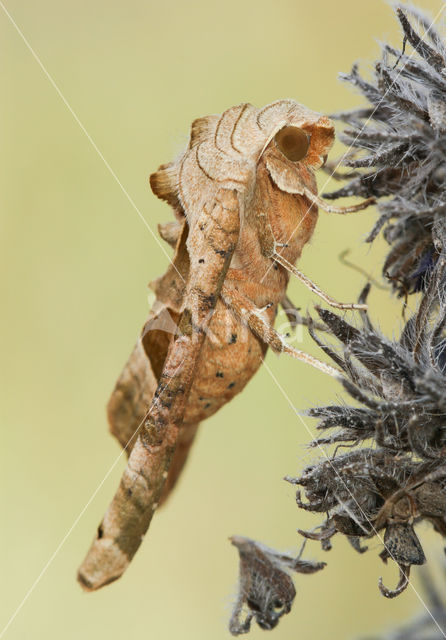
(75, 262)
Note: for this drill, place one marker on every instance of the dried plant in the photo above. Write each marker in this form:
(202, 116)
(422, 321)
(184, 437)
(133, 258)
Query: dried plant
(397, 149)
(399, 478)
(393, 474)
(423, 627)
(266, 590)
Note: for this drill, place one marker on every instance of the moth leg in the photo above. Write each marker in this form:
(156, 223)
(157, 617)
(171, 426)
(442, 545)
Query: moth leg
(131, 510)
(269, 249)
(330, 208)
(314, 287)
(245, 310)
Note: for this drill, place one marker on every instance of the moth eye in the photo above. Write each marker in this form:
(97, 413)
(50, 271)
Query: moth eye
(293, 143)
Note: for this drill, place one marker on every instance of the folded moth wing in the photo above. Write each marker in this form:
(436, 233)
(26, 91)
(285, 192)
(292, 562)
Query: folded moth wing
(139, 379)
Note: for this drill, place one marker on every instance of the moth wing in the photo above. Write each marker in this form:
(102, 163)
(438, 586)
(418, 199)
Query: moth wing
(202, 129)
(130, 398)
(128, 406)
(164, 184)
(213, 218)
(170, 287)
(135, 387)
(170, 232)
(166, 180)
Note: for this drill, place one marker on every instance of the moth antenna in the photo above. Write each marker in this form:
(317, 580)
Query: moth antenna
(329, 208)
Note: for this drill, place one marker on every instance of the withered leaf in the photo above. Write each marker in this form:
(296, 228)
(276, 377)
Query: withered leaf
(266, 590)
(402, 544)
(404, 573)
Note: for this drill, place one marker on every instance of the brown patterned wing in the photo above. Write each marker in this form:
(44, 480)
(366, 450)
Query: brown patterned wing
(212, 239)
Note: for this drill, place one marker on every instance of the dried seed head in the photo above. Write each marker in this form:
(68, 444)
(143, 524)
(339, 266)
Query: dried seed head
(397, 150)
(266, 590)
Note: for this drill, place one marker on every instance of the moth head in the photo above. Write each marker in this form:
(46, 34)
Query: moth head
(295, 133)
(297, 142)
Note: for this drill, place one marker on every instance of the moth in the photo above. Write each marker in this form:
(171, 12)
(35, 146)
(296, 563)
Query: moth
(245, 203)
